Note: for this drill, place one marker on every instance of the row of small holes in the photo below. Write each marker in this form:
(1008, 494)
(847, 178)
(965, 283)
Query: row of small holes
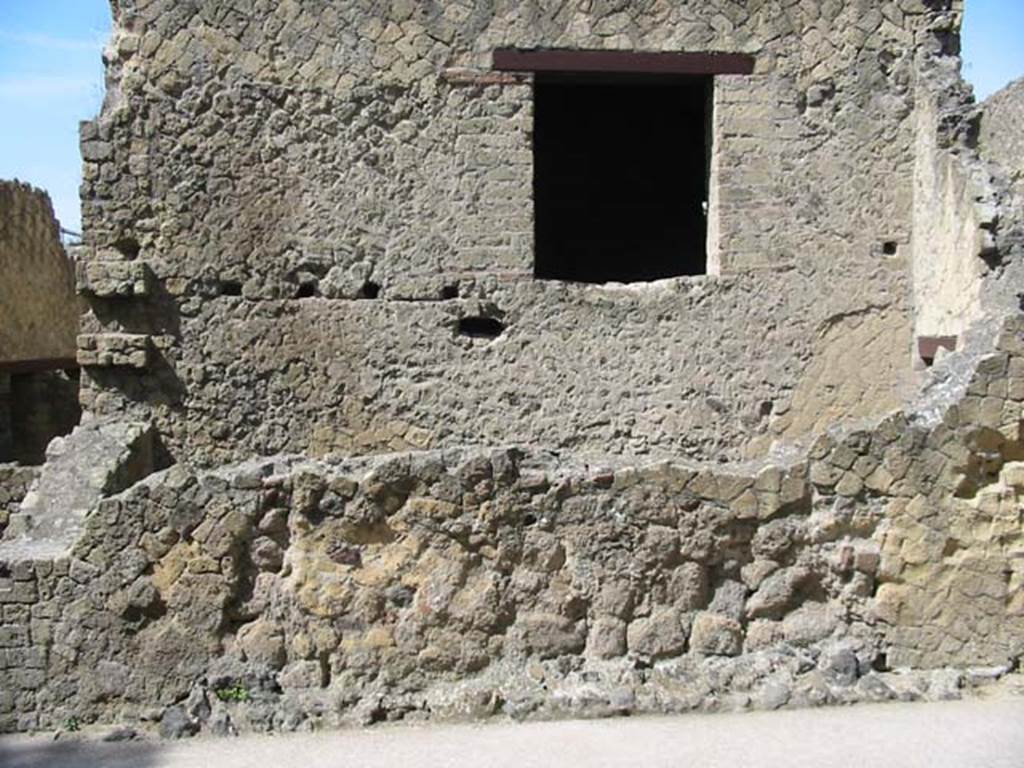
(471, 327)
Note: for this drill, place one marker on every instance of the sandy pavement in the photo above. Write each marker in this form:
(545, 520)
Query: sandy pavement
(986, 733)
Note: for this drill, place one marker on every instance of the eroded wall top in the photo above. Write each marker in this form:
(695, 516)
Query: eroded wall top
(1002, 132)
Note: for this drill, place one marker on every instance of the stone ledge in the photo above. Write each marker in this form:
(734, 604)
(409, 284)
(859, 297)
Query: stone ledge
(114, 279)
(108, 350)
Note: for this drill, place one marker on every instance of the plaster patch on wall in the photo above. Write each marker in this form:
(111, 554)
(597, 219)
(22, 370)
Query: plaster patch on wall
(860, 367)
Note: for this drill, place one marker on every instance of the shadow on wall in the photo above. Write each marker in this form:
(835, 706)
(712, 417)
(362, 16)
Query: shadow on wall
(40, 752)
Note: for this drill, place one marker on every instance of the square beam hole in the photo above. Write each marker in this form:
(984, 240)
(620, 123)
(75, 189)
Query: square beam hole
(621, 167)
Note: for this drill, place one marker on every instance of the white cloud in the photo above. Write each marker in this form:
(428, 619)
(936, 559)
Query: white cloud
(52, 43)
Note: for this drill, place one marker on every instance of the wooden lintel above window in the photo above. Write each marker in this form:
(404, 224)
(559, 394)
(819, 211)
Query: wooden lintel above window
(626, 62)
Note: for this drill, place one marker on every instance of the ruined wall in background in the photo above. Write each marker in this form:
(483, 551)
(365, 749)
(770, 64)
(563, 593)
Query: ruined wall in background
(39, 317)
(319, 192)
(968, 213)
(947, 263)
(1001, 138)
(954, 215)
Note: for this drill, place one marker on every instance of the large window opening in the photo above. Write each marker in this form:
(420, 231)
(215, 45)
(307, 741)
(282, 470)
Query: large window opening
(35, 407)
(621, 176)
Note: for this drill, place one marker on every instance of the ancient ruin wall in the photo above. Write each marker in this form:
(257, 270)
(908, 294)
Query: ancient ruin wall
(1001, 136)
(955, 258)
(948, 268)
(291, 593)
(38, 305)
(39, 317)
(255, 173)
(297, 592)
(967, 205)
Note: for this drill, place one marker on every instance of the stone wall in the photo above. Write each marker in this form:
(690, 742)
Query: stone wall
(37, 293)
(38, 328)
(320, 191)
(948, 268)
(968, 212)
(291, 207)
(1001, 136)
(292, 593)
(15, 481)
(955, 255)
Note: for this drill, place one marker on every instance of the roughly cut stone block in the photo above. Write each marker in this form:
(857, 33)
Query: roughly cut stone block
(108, 350)
(262, 642)
(114, 279)
(716, 635)
(302, 674)
(607, 638)
(658, 636)
(96, 460)
(548, 636)
(777, 593)
(96, 151)
(1013, 474)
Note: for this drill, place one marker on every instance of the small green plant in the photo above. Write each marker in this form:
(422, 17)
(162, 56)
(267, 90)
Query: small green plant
(232, 693)
(71, 724)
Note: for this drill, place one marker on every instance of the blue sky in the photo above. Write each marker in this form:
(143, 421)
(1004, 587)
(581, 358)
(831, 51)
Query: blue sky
(51, 77)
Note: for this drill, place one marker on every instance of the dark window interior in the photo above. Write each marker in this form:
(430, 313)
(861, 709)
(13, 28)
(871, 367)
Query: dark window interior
(620, 176)
(35, 408)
